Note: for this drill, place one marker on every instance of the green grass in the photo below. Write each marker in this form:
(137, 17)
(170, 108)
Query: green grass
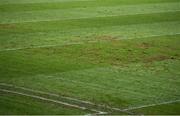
(44, 5)
(171, 109)
(117, 53)
(13, 104)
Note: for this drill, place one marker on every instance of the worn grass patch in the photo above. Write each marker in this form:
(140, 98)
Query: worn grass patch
(118, 54)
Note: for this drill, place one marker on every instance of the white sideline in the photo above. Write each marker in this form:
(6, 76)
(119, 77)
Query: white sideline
(68, 98)
(80, 101)
(151, 105)
(47, 93)
(51, 100)
(42, 98)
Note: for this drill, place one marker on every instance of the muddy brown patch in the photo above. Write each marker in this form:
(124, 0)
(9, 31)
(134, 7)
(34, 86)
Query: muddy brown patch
(157, 58)
(106, 37)
(144, 45)
(7, 26)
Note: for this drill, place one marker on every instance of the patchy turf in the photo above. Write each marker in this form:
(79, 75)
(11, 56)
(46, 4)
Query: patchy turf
(116, 54)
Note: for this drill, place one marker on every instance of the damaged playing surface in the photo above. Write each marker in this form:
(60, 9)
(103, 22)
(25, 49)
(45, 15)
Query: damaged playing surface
(89, 57)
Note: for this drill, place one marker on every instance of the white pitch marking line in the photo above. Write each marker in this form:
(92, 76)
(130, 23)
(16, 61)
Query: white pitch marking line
(47, 93)
(68, 98)
(51, 100)
(151, 105)
(42, 98)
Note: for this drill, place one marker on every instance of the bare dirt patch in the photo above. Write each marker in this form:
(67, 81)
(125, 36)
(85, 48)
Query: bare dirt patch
(144, 45)
(106, 37)
(7, 26)
(157, 58)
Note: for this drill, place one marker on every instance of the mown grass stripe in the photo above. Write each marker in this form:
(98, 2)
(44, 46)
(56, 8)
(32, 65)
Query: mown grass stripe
(86, 34)
(50, 15)
(96, 22)
(4, 2)
(72, 4)
(74, 43)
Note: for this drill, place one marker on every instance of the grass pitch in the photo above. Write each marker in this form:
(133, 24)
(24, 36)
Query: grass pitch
(89, 57)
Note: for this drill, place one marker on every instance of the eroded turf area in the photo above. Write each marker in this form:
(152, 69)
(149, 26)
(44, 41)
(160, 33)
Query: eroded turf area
(89, 57)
